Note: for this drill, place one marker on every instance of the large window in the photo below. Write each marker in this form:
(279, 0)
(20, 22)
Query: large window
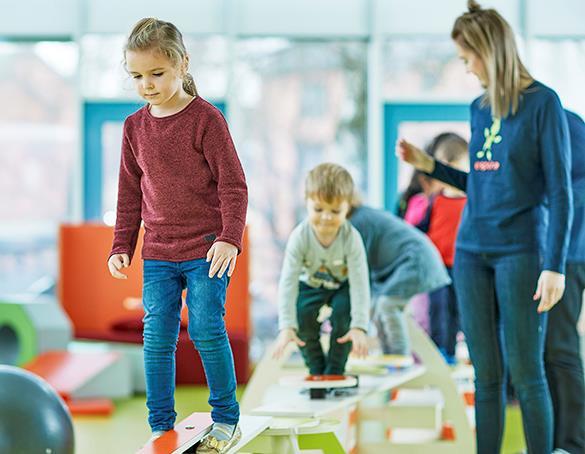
(103, 75)
(294, 104)
(426, 69)
(560, 64)
(38, 143)
(107, 86)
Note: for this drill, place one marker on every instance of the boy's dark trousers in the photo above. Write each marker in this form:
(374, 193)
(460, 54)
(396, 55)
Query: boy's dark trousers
(444, 317)
(309, 302)
(564, 364)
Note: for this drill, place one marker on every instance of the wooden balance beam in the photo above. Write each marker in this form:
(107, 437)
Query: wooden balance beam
(264, 396)
(190, 431)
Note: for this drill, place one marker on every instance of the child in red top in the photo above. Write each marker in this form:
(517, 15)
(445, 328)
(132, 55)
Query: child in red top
(413, 207)
(180, 174)
(441, 225)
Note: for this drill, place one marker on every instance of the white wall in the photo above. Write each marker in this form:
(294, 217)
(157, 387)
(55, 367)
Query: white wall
(409, 17)
(547, 18)
(190, 16)
(293, 18)
(38, 18)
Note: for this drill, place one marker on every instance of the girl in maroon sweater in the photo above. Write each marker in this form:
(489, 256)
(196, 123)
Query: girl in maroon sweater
(181, 176)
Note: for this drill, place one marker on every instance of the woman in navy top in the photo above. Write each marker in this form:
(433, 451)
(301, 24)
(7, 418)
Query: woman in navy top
(508, 255)
(562, 352)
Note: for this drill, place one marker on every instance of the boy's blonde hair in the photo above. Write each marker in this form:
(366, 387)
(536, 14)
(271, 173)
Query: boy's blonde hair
(330, 183)
(154, 34)
(486, 33)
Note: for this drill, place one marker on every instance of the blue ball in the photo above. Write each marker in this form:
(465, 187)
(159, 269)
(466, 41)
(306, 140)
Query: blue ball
(33, 418)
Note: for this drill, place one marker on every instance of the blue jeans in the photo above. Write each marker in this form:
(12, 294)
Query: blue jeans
(163, 285)
(444, 318)
(564, 366)
(503, 329)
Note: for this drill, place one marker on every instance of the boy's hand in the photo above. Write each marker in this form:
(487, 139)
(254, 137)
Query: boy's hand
(359, 342)
(116, 262)
(285, 336)
(222, 256)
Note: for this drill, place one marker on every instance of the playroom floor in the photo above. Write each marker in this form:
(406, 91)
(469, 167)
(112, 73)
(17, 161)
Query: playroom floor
(126, 430)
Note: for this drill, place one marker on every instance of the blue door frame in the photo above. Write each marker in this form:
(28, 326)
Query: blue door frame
(95, 114)
(396, 113)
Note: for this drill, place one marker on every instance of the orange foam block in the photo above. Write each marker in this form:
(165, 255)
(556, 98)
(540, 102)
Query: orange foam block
(66, 372)
(448, 432)
(185, 435)
(99, 407)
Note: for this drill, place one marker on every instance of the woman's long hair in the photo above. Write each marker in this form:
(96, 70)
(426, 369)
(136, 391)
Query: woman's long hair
(486, 33)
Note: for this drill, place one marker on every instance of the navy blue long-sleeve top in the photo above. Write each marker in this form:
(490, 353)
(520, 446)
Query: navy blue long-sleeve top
(518, 166)
(577, 132)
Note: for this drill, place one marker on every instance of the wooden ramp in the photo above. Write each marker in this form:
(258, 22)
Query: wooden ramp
(193, 429)
(68, 372)
(85, 380)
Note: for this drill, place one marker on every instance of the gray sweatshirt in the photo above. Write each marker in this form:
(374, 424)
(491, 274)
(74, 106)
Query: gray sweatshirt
(402, 260)
(306, 260)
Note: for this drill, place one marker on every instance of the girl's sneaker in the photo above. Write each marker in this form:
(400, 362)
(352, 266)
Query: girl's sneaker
(156, 434)
(211, 445)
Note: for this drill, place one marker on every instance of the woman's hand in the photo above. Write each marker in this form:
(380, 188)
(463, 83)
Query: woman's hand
(116, 262)
(222, 256)
(414, 156)
(359, 342)
(549, 290)
(285, 337)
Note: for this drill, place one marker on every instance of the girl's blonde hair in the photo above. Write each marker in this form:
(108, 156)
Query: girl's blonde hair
(154, 34)
(486, 33)
(330, 183)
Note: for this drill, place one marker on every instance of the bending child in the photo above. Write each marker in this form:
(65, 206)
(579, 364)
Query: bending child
(325, 264)
(441, 224)
(402, 263)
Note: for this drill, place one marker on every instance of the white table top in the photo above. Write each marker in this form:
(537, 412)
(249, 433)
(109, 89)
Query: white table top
(281, 401)
(251, 427)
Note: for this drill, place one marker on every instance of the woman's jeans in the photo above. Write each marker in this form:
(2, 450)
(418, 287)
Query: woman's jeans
(163, 284)
(503, 330)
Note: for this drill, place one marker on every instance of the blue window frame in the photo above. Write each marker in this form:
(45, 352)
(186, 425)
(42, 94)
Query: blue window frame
(95, 114)
(396, 113)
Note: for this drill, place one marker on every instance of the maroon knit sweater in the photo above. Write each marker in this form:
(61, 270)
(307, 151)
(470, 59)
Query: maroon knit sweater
(181, 175)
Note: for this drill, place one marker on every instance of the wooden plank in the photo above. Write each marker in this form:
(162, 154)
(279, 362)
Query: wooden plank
(194, 428)
(251, 427)
(185, 434)
(283, 401)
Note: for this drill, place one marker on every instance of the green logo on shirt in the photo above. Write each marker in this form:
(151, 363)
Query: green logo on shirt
(491, 137)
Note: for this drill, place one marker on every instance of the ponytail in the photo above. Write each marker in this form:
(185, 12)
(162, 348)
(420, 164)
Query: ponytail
(189, 85)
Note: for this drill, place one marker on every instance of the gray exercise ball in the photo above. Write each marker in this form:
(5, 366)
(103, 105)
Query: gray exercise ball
(33, 418)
